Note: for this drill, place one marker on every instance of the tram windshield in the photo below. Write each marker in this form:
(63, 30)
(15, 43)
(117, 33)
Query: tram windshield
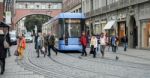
(73, 27)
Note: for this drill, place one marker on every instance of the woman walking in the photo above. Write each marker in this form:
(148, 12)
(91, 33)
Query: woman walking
(83, 41)
(21, 46)
(40, 45)
(93, 45)
(103, 41)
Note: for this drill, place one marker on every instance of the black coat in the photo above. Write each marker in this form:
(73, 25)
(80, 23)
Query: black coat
(2, 49)
(124, 39)
(51, 40)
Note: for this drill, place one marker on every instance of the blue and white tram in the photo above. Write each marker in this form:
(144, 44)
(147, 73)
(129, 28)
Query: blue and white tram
(67, 28)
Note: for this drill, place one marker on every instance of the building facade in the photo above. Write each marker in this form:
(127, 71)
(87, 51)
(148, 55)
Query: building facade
(1, 10)
(72, 6)
(131, 18)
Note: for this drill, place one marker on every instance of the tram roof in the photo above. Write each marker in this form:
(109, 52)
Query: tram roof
(67, 15)
(71, 15)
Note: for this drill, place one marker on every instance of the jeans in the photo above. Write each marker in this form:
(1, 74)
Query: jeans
(114, 48)
(102, 50)
(84, 51)
(98, 48)
(125, 45)
(38, 51)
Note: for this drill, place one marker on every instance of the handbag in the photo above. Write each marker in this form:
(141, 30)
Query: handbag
(16, 53)
(92, 49)
(6, 44)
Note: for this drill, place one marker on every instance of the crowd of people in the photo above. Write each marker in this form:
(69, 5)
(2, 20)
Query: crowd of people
(45, 42)
(99, 43)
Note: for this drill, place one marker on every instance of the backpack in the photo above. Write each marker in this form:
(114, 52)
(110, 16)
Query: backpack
(6, 44)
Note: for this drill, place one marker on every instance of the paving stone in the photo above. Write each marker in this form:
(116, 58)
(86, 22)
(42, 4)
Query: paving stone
(131, 64)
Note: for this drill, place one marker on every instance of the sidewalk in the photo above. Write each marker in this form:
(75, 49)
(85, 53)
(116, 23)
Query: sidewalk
(15, 71)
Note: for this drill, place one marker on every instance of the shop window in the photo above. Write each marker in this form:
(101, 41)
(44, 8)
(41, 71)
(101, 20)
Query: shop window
(146, 35)
(121, 29)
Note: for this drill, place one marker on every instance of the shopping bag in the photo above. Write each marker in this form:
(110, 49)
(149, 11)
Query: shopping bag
(16, 53)
(43, 49)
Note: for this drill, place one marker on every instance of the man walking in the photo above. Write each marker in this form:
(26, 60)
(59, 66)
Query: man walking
(113, 43)
(83, 41)
(51, 43)
(125, 42)
(2, 53)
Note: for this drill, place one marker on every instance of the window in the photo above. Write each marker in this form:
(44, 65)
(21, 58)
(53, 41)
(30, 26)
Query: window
(73, 28)
(92, 6)
(49, 6)
(26, 6)
(37, 6)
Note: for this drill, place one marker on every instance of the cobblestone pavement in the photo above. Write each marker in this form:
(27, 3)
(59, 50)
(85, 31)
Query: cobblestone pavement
(13, 70)
(131, 64)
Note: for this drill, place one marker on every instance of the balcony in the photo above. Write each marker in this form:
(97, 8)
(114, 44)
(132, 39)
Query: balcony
(115, 6)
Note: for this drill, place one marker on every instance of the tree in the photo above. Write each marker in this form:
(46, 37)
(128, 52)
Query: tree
(37, 20)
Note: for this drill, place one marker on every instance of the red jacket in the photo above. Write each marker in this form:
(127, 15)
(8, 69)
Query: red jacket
(83, 40)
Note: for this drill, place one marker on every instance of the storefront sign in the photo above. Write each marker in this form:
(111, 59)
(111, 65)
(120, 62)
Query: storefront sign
(8, 17)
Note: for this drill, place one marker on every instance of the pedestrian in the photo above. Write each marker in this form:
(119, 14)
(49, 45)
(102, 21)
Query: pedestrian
(7, 38)
(21, 46)
(98, 43)
(83, 41)
(93, 45)
(117, 42)
(2, 53)
(113, 43)
(40, 42)
(45, 43)
(36, 41)
(51, 44)
(103, 42)
(108, 40)
(124, 40)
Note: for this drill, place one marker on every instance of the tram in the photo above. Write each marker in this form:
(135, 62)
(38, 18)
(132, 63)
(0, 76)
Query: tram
(67, 28)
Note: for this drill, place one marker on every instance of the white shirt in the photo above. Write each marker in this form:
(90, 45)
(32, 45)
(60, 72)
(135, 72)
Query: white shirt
(103, 40)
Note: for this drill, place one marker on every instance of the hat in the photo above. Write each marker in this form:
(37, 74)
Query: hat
(1, 32)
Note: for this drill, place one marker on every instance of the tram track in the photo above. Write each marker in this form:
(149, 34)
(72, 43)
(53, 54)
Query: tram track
(122, 63)
(32, 65)
(29, 65)
(46, 71)
(84, 69)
